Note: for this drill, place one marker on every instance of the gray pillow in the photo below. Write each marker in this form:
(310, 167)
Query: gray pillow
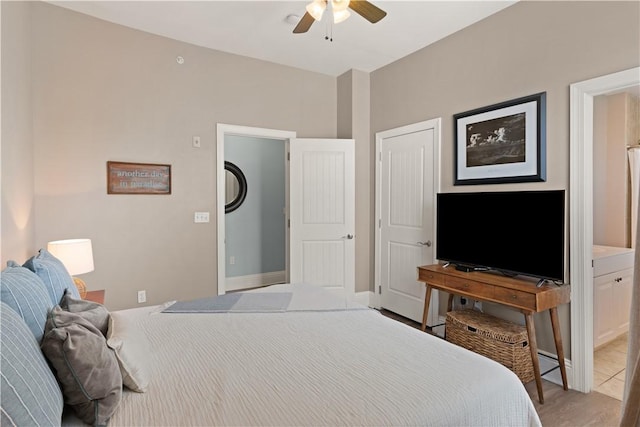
(22, 290)
(54, 275)
(86, 368)
(132, 350)
(96, 314)
(30, 393)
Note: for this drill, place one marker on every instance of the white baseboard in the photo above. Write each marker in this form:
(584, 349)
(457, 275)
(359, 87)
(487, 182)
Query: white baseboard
(366, 298)
(439, 328)
(254, 280)
(549, 361)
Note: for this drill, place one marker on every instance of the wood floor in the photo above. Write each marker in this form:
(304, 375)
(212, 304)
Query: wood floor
(572, 408)
(562, 408)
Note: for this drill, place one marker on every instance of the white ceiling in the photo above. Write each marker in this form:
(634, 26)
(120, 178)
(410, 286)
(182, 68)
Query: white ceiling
(259, 29)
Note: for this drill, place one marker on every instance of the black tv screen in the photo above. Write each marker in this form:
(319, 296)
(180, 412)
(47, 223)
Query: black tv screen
(514, 232)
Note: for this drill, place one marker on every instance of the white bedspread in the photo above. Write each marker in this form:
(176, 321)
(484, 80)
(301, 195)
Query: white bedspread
(320, 368)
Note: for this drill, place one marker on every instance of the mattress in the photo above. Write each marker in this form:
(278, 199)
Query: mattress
(335, 364)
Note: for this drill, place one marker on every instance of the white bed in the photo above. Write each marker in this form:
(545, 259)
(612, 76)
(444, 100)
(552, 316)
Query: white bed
(324, 361)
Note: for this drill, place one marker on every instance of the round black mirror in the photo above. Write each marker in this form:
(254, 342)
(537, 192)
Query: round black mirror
(235, 187)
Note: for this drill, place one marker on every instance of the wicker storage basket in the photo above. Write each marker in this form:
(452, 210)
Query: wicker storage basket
(500, 340)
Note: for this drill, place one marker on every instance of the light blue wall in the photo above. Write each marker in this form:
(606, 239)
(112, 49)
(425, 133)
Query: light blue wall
(255, 232)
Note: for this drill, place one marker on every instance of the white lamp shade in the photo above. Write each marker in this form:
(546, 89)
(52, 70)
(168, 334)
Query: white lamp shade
(340, 15)
(316, 9)
(75, 254)
(339, 5)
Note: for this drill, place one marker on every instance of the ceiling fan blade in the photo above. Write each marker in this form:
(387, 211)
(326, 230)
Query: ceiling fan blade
(304, 24)
(367, 10)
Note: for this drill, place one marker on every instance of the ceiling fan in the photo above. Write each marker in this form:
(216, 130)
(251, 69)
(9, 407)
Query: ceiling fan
(340, 9)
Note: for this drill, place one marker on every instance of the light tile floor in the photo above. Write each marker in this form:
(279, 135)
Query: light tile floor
(609, 364)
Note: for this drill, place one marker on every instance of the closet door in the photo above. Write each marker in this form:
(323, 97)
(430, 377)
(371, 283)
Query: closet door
(407, 181)
(407, 223)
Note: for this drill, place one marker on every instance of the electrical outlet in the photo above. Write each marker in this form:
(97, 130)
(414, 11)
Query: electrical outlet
(142, 297)
(463, 303)
(232, 260)
(196, 142)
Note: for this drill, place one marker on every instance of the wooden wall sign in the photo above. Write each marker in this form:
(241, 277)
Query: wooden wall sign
(138, 178)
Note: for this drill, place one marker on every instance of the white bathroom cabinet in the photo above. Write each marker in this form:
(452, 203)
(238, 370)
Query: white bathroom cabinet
(612, 284)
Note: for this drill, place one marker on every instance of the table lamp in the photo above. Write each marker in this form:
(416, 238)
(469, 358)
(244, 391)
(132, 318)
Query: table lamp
(77, 257)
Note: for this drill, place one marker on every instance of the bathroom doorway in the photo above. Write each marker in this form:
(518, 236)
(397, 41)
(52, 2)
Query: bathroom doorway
(616, 135)
(581, 213)
(244, 139)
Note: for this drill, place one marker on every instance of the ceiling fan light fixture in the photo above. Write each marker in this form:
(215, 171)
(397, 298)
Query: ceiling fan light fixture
(339, 5)
(340, 15)
(339, 11)
(316, 9)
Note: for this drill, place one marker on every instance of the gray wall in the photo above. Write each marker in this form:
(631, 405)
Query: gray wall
(616, 125)
(106, 92)
(18, 223)
(354, 90)
(527, 48)
(255, 232)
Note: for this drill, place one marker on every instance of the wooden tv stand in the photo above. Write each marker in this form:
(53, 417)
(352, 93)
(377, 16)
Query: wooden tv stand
(519, 294)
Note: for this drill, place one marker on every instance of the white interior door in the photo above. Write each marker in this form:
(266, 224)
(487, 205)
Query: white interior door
(408, 180)
(322, 213)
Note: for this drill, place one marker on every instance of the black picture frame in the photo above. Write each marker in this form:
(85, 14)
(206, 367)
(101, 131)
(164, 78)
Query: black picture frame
(501, 143)
(241, 190)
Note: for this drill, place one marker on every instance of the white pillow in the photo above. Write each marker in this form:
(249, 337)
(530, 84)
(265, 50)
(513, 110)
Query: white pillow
(131, 348)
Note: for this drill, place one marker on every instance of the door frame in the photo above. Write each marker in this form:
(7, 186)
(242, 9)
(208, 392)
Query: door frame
(226, 129)
(581, 217)
(436, 125)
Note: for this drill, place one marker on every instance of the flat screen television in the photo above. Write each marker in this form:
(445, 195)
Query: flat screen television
(512, 232)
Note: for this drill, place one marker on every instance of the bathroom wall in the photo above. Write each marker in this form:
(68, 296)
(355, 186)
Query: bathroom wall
(616, 126)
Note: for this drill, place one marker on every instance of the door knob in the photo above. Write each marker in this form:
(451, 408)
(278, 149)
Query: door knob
(348, 236)
(427, 243)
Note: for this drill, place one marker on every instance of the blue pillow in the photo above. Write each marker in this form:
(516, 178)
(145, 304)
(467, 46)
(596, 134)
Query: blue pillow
(23, 291)
(54, 275)
(30, 392)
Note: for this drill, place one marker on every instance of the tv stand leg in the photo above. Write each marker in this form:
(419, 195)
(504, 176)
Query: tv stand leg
(533, 346)
(555, 325)
(427, 301)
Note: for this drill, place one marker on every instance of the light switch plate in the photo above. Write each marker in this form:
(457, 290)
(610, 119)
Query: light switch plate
(199, 217)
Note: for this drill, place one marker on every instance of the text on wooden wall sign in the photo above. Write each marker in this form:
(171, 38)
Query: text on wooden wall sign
(138, 178)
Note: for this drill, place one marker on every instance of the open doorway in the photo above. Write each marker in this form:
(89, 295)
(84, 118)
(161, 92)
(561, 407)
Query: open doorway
(255, 227)
(253, 239)
(616, 133)
(581, 206)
